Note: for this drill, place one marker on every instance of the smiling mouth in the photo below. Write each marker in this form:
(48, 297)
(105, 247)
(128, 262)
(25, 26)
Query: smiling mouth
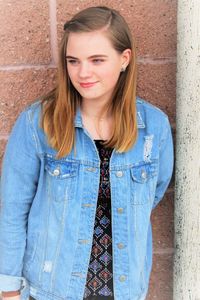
(87, 84)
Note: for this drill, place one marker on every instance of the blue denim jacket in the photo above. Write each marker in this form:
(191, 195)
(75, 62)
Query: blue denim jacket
(48, 207)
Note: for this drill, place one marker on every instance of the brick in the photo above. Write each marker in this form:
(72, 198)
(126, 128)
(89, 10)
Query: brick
(161, 280)
(153, 23)
(157, 84)
(19, 88)
(24, 32)
(154, 26)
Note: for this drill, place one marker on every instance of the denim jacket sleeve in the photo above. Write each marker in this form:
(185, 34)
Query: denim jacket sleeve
(20, 173)
(166, 159)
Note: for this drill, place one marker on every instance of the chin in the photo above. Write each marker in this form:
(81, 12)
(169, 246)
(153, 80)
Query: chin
(89, 96)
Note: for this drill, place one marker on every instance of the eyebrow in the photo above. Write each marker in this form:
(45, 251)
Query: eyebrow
(92, 56)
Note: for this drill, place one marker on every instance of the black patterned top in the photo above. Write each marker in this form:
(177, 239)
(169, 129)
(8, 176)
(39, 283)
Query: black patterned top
(99, 283)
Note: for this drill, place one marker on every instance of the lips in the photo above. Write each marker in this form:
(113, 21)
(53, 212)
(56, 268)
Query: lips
(87, 84)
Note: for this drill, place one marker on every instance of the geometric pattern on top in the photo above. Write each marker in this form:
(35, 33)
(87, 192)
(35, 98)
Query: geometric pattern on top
(99, 282)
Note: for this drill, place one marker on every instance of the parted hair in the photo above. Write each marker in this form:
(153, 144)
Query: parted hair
(59, 106)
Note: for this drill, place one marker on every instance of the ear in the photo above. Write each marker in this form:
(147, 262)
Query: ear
(126, 56)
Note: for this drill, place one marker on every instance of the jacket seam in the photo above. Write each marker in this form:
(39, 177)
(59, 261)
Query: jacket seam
(34, 135)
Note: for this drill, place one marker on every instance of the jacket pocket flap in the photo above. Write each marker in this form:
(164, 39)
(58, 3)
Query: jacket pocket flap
(61, 169)
(143, 172)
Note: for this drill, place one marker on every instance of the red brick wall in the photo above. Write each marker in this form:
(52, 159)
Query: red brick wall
(29, 34)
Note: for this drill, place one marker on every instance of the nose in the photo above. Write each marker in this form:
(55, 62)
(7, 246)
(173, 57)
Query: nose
(85, 70)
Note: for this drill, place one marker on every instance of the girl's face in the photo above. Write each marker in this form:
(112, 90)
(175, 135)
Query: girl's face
(94, 65)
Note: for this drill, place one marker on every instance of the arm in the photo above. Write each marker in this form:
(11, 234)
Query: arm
(20, 173)
(166, 159)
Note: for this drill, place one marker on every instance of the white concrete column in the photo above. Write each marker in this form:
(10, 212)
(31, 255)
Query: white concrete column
(187, 195)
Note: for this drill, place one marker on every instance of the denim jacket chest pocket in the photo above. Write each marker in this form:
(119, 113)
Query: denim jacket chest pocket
(143, 183)
(61, 178)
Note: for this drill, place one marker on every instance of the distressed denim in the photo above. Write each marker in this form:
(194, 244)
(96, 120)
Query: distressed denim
(48, 207)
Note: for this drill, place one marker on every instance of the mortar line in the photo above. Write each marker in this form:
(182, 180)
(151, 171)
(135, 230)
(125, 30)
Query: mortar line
(27, 67)
(163, 251)
(169, 190)
(4, 136)
(53, 64)
(53, 31)
(156, 60)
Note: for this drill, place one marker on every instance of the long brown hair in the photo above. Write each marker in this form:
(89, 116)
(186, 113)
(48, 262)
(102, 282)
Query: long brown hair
(60, 105)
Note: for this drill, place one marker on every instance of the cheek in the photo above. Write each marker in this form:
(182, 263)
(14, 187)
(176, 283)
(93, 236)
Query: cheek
(112, 76)
(114, 70)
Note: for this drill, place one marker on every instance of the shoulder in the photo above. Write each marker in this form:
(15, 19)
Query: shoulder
(150, 114)
(33, 110)
(31, 115)
(25, 129)
(152, 118)
(28, 120)
(149, 110)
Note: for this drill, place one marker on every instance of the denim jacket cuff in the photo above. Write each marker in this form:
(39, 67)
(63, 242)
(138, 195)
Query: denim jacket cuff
(11, 283)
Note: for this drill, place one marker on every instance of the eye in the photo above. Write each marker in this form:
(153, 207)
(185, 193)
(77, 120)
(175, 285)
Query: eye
(97, 61)
(72, 61)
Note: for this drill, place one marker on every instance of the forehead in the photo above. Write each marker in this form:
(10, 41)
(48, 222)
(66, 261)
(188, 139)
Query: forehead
(87, 43)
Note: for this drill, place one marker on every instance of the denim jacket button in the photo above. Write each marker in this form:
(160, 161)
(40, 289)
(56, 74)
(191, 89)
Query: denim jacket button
(144, 174)
(119, 173)
(120, 245)
(120, 210)
(122, 278)
(56, 172)
(90, 169)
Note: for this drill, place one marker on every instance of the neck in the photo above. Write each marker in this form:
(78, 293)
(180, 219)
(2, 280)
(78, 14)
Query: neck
(94, 110)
